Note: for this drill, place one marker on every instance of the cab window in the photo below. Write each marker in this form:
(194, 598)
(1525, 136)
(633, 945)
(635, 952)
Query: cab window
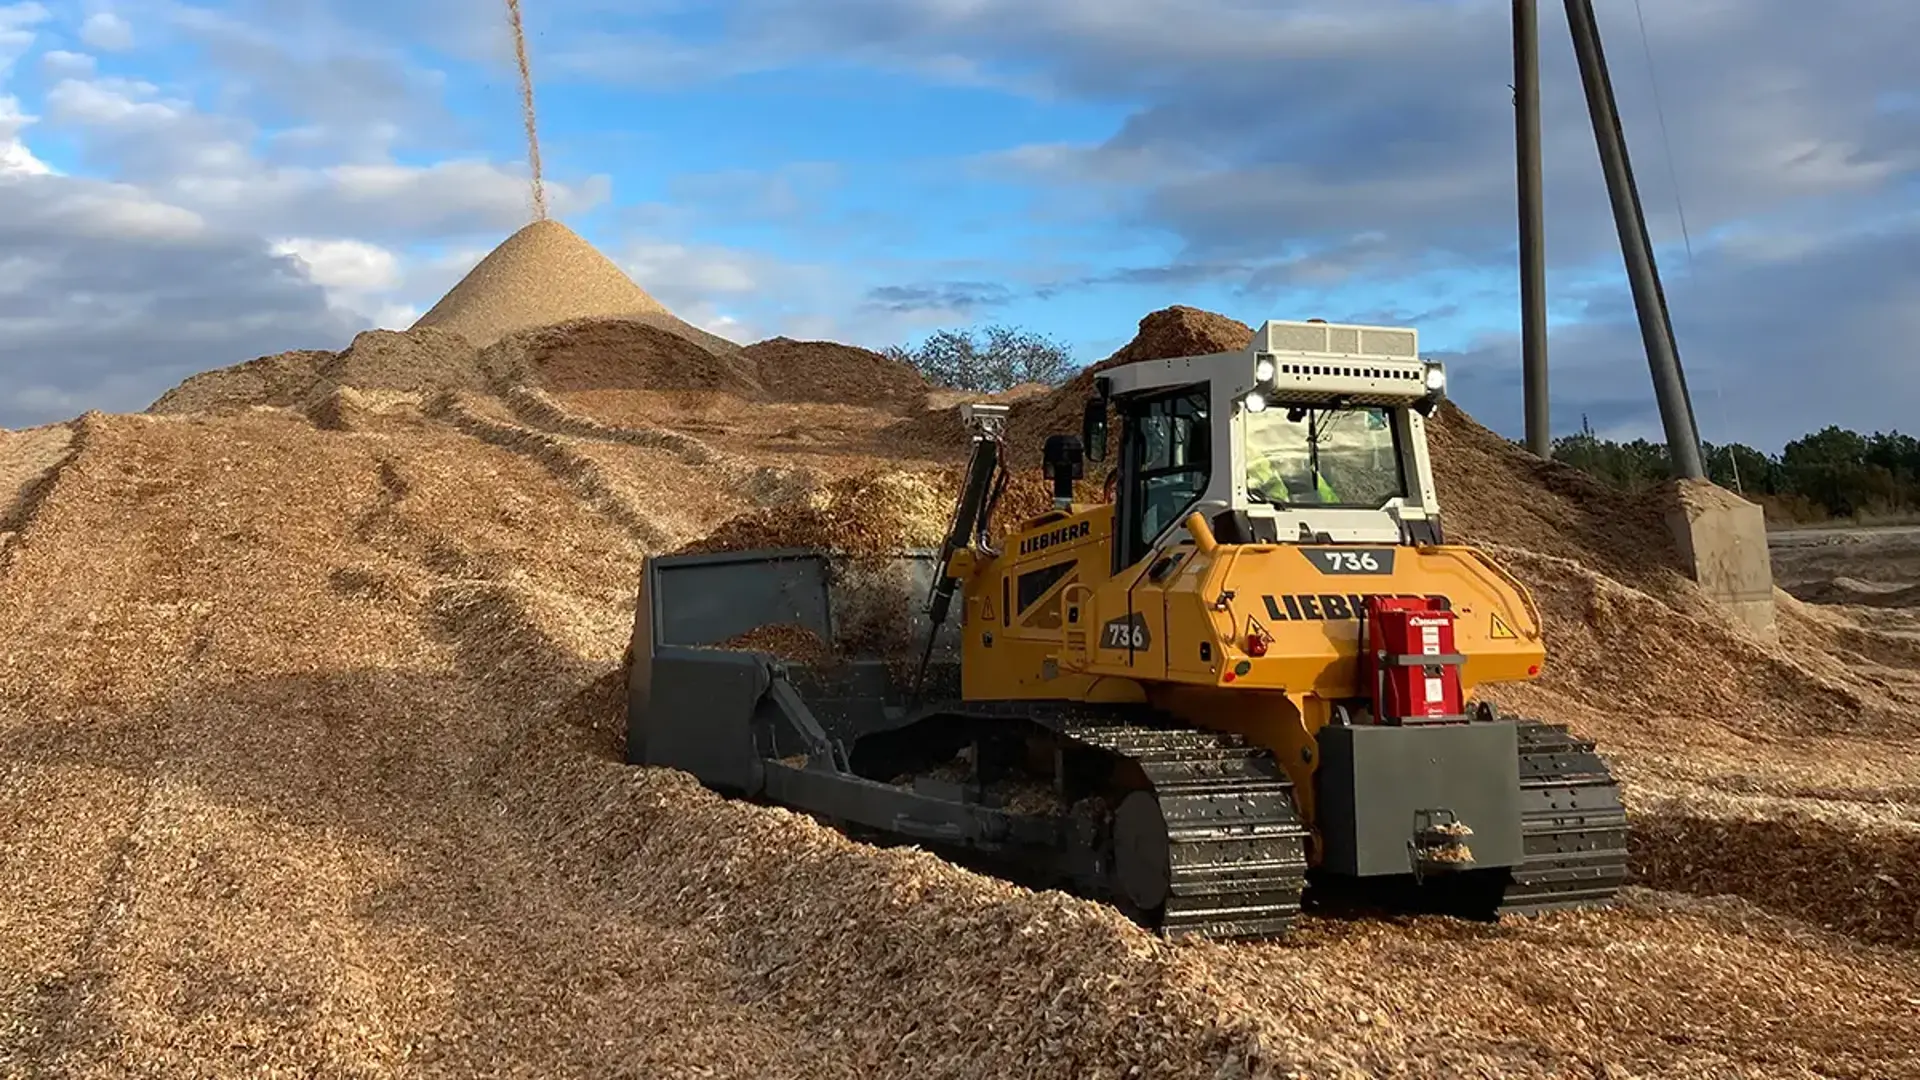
(1168, 461)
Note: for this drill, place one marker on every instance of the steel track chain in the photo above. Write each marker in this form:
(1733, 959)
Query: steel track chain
(1572, 822)
(1236, 848)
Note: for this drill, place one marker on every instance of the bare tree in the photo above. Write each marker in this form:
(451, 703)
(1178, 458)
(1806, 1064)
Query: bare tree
(988, 360)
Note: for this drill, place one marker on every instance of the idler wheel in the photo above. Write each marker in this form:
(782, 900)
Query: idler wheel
(1142, 860)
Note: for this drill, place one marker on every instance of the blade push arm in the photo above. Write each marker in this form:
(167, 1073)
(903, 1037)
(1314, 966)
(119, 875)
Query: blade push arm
(968, 524)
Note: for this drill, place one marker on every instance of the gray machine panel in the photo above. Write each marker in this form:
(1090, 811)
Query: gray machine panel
(1374, 782)
(701, 600)
(706, 599)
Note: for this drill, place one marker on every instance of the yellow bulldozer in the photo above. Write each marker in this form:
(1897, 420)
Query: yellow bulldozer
(1241, 680)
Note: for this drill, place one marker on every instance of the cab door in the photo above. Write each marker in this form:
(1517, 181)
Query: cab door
(1167, 460)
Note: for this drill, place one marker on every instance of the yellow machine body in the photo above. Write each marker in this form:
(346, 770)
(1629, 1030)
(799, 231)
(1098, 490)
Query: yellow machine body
(1047, 620)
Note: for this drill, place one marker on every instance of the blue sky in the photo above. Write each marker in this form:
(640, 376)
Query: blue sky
(184, 186)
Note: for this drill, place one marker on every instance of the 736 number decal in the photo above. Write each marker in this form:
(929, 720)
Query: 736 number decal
(1345, 560)
(1126, 632)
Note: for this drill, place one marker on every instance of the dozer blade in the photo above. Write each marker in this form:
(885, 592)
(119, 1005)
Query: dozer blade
(751, 724)
(722, 713)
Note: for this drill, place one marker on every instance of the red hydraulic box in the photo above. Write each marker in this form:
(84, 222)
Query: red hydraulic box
(1409, 662)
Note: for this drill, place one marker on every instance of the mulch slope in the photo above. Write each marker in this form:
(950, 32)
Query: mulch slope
(838, 374)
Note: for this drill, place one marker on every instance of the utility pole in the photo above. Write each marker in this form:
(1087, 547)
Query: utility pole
(1533, 255)
(1649, 301)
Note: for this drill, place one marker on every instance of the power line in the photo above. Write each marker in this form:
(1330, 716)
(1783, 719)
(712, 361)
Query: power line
(1686, 234)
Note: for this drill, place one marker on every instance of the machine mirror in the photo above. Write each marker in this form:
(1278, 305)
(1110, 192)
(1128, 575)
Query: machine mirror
(1093, 430)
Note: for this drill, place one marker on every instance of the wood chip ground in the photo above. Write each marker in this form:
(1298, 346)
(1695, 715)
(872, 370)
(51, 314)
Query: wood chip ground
(310, 765)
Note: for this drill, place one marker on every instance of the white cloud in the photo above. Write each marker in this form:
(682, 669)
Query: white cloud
(358, 277)
(17, 23)
(676, 270)
(206, 163)
(350, 265)
(109, 296)
(395, 316)
(107, 32)
(747, 295)
(61, 64)
(15, 158)
(726, 326)
(111, 102)
(110, 210)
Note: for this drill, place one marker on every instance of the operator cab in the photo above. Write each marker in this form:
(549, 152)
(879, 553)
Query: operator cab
(1315, 433)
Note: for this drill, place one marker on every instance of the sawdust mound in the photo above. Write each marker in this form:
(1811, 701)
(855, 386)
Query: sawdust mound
(412, 361)
(880, 512)
(1180, 331)
(29, 462)
(419, 361)
(613, 354)
(546, 274)
(1169, 332)
(873, 514)
(883, 948)
(822, 371)
(1610, 642)
(1829, 873)
(1494, 491)
(283, 379)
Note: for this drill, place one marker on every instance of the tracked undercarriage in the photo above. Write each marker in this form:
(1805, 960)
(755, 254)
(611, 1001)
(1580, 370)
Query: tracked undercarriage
(1196, 832)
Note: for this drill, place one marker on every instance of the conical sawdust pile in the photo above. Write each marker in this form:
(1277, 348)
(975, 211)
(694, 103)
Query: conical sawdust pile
(542, 275)
(309, 763)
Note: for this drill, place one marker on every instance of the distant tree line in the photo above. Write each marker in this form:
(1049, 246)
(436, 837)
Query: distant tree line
(989, 359)
(1831, 473)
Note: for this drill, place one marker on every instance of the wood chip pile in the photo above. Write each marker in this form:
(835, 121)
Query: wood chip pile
(422, 360)
(418, 361)
(542, 275)
(615, 354)
(1847, 872)
(1493, 491)
(827, 372)
(793, 643)
(309, 765)
(283, 379)
(876, 514)
(28, 460)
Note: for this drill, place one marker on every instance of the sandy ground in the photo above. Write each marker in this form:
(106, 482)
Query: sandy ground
(1860, 566)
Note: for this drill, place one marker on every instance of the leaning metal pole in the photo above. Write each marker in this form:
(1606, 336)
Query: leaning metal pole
(1663, 360)
(1533, 255)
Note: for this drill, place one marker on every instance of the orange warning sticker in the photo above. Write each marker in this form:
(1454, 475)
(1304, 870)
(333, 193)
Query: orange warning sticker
(1501, 631)
(987, 614)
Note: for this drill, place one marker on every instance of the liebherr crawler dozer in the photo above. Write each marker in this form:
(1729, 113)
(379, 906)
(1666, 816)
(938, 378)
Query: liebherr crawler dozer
(1250, 667)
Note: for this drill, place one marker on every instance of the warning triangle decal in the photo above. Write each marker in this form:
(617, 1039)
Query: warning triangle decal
(1501, 631)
